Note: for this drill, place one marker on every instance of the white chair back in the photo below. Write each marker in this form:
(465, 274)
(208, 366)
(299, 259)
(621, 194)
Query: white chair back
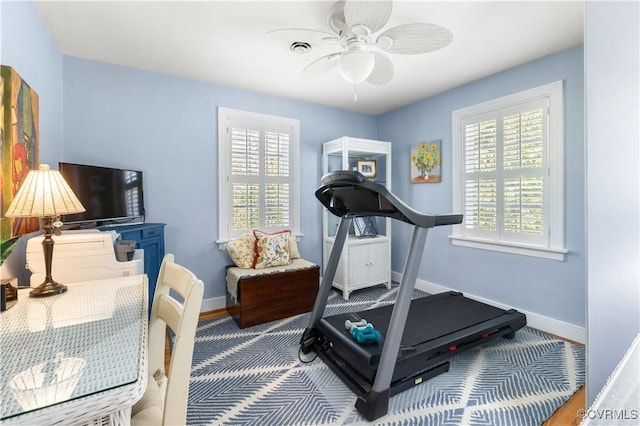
(182, 318)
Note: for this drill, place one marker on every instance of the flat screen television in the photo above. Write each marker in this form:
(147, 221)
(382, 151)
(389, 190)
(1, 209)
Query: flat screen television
(110, 196)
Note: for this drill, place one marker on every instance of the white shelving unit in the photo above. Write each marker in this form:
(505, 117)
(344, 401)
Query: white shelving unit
(365, 261)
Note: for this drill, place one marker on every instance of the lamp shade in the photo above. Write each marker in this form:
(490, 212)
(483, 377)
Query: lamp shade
(356, 65)
(44, 193)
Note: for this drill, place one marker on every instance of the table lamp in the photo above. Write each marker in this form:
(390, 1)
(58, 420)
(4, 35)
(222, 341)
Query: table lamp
(45, 194)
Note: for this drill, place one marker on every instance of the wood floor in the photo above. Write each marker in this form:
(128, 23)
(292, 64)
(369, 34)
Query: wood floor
(567, 415)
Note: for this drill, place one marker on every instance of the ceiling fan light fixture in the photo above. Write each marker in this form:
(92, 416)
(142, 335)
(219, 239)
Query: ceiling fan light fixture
(384, 42)
(359, 55)
(356, 65)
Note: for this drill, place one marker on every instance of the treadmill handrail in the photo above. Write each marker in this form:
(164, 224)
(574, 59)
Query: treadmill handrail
(349, 193)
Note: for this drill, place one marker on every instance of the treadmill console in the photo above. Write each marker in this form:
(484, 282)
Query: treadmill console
(349, 193)
(343, 176)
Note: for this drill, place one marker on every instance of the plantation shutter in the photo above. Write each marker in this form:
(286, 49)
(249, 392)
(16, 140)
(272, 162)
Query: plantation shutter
(277, 188)
(260, 175)
(505, 173)
(131, 194)
(480, 190)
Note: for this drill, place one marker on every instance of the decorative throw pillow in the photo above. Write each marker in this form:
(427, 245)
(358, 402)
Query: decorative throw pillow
(295, 253)
(272, 249)
(242, 249)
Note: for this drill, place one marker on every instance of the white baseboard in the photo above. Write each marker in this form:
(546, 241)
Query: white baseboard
(213, 304)
(534, 320)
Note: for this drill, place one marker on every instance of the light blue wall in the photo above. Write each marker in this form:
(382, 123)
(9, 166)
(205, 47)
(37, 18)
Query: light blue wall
(27, 46)
(612, 91)
(167, 127)
(546, 287)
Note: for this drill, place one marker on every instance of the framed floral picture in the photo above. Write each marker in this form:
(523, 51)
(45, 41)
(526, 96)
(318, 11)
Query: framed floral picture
(368, 168)
(425, 162)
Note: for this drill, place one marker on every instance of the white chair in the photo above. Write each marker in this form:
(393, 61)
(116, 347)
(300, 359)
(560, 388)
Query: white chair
(165, 401)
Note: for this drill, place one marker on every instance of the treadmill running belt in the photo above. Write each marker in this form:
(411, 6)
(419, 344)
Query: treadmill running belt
(429, 318)
(426, 320)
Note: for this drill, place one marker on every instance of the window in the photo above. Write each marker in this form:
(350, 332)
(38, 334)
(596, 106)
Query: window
(131, 192)
(259, 181)
(508, 173)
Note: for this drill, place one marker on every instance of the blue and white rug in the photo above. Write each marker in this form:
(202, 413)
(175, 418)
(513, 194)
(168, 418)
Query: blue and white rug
(253, 377)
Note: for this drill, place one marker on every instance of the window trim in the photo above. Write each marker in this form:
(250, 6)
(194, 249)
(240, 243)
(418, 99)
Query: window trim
(224, 190)
(555, 249)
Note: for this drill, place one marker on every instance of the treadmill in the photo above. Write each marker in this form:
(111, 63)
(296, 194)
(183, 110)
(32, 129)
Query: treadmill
(418, 336)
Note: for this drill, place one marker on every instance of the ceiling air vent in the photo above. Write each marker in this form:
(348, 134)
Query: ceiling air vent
(300, 47)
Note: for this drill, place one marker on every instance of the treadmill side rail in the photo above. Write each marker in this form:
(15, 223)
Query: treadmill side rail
(310, 333)
(400, 312)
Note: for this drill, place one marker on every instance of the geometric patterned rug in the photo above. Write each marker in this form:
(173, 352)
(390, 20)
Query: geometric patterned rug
(254, 377)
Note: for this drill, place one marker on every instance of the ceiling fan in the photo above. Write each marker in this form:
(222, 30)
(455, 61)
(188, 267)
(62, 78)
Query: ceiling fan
(353, 24)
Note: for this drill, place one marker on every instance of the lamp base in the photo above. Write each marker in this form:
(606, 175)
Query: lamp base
(48, 288)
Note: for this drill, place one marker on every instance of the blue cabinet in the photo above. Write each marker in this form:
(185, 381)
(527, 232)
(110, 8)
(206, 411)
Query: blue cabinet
(150, 238)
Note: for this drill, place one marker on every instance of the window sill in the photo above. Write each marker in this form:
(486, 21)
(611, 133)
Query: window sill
(512, 248)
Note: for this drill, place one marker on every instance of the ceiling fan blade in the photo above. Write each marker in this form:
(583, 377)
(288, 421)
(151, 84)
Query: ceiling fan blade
(372, 14)
(320, 66)
(411, 39)
(303, 35)
(382, 70)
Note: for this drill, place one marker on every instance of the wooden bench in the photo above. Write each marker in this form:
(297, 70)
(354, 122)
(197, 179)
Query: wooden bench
(256, 296)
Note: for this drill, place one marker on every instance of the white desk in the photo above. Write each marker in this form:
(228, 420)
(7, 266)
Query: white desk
(77, 356)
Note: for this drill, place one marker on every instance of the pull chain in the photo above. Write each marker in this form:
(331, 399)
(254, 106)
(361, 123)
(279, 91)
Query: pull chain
(355, 93)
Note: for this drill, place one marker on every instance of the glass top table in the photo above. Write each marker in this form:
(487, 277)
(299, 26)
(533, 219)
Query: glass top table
(80, 352)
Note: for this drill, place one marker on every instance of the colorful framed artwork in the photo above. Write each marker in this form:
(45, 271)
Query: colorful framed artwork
(20, 141)
(368, 168)
(425, 162)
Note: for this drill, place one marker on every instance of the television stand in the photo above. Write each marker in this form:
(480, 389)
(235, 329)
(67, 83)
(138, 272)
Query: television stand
(150, 238)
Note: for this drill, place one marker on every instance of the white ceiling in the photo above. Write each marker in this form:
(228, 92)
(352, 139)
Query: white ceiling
(226, 43)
